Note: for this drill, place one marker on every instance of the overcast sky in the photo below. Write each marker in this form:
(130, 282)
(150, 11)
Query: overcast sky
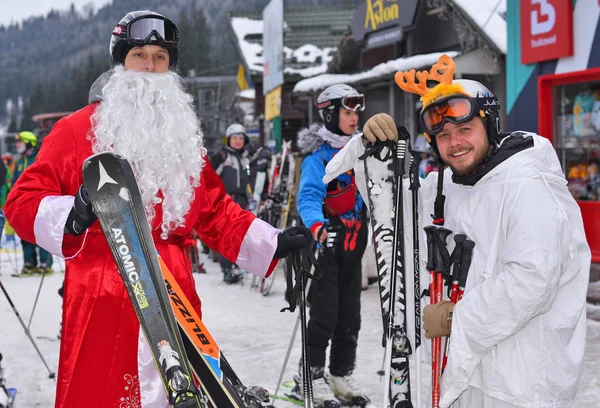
(11, 10)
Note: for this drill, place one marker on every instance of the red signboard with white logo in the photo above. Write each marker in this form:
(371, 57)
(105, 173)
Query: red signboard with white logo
(546, 30)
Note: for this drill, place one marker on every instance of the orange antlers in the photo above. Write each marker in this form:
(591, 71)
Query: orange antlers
(442, 72)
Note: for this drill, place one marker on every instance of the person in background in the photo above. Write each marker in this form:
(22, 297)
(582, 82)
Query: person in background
(524, 301)
(145, 116)
(328, 209)
(35, 258)
(232, 164)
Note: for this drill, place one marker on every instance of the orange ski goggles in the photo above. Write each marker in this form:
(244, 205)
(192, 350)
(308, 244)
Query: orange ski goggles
(454, 109)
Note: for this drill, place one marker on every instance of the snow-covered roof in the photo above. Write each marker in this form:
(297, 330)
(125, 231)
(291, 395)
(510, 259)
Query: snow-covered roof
(248, 93)
(488, 15)
(387, 68)
(313, 59)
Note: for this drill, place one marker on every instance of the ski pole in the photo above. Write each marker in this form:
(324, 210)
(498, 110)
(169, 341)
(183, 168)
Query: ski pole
(290, 346)
(302, 262)
(51, 374)
(438, 260)
(36, 299)
(457, 258)
(414, 188)
(457, 294)
(466, 263)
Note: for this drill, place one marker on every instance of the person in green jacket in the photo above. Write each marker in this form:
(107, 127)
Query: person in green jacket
(27, 147)
(9, 164)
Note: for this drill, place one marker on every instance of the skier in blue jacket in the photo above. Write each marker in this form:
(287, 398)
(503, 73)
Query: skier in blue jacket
(335, 211)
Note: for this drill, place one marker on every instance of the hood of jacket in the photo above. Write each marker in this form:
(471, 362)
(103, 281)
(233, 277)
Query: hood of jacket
(309, 140)
(95, 94)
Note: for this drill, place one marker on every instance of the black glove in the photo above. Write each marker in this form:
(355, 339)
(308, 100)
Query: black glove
(262, 159)
(292, 238)
(81, 216)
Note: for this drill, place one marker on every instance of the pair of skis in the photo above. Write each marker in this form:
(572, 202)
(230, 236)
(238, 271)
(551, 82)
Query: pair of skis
(384, 169)
(179, 342)
(276, 208)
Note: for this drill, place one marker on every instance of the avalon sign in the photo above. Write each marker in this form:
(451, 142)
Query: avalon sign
(376, 15)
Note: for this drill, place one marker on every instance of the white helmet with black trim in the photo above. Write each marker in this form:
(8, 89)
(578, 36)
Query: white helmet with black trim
(486, 102)
(330, 100)
(461, 102)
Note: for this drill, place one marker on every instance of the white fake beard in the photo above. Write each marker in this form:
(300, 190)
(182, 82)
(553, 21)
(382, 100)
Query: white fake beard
(149, 119)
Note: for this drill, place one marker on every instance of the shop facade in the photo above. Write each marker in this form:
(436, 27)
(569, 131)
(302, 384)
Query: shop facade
(396, 35)
(553, 89)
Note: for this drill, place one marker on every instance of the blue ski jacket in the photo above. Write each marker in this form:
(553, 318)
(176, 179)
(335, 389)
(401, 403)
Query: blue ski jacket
(312, 190)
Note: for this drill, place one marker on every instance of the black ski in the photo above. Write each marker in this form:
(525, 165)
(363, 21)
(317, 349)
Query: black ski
(117, 203)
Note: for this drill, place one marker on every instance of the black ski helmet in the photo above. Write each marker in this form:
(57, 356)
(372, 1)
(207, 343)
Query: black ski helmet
(329, 102)
(142, 27)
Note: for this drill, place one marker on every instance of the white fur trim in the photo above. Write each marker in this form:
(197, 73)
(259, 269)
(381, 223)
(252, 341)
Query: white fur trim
(258, 248)
(49, 223)
(152, 392)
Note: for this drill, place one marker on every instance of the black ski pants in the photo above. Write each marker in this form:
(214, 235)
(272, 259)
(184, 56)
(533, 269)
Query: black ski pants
(335, 303)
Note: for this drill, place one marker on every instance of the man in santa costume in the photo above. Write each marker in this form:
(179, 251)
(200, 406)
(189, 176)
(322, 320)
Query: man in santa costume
(146, 117)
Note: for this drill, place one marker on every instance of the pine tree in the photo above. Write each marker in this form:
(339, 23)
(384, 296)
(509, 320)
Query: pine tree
(12, 126)
(186, 48)
(194, 44)
(201, 36)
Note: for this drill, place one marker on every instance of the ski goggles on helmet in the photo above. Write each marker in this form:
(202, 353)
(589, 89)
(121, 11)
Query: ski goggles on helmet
(147, 30)
(454, 109)
(353, 103)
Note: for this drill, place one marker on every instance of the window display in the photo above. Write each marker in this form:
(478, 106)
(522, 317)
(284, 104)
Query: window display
(577, 136)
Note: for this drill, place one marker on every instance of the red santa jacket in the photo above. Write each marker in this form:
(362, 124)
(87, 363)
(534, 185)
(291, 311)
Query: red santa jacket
(104, 359)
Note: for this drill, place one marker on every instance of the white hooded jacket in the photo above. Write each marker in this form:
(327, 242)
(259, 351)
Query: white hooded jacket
(518, 334)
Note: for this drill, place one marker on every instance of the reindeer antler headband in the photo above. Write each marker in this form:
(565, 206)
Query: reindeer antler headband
(442, 72)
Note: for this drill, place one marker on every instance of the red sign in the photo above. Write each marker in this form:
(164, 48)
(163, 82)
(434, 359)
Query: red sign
(546, 30)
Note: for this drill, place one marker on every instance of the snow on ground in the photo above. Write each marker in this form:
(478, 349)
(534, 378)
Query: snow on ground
(250, 329)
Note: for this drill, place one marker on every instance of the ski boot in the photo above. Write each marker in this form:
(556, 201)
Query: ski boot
(198, 268)
(226, 275)
(254, 396)
(28, 270)
(237, 274)
(323, 397)
(347, 391)
(44, 269)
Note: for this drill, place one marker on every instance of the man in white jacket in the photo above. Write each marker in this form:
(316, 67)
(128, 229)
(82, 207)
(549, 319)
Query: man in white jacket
(518, 334)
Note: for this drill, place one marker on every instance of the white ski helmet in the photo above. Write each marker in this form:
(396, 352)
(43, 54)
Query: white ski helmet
(142, 27)
(482, 102)
(330, 100)
(488, 103)
(236, 129)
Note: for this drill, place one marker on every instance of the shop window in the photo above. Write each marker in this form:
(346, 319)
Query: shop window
(577, 137)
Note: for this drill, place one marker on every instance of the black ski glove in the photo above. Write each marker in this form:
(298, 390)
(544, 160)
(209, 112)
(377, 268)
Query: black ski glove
(292, 238)
(81, 216)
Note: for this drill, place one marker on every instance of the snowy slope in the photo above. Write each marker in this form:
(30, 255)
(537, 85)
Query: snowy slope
(252, 332)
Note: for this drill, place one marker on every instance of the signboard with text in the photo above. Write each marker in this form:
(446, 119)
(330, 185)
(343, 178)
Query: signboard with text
(272, 45)
(273, 104)
(375, 15)
(546, 30)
